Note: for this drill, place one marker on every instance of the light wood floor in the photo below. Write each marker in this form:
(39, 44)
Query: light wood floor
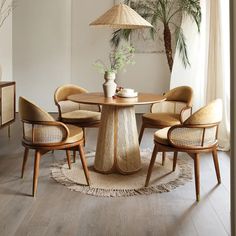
(58, 211)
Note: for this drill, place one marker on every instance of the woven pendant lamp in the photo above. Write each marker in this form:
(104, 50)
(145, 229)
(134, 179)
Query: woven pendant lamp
(121, 16)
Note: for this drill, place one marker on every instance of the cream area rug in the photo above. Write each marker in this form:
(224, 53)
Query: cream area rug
(117, 185)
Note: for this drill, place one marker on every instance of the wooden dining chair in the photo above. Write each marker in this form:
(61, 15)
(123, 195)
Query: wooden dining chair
(42, 134)
(196, 135)
(76, 113)
(173, 111)
(84, 115)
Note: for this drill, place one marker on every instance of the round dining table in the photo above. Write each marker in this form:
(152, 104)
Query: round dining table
(117, 148)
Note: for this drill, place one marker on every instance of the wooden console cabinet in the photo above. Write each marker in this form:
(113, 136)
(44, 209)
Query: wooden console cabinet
(7, 104)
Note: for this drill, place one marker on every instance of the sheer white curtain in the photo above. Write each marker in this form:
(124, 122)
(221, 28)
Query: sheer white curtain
(209, 72)
(218, 69)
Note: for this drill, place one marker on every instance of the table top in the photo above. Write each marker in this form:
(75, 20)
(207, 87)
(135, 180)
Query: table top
(98, 98)
(6, 83)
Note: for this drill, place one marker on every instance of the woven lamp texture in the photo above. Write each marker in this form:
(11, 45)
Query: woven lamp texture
(121, 16)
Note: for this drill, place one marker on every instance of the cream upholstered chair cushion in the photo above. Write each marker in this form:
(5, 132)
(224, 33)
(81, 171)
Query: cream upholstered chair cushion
(160, 136)
(161, 119)
(64, 91)
(210, 114)
(182, 94)
(41, 128)
(31, 112)
(75, 133)
(73, 112)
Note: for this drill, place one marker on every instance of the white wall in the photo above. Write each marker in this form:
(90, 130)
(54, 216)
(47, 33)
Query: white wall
(88, 43)
(41, 48)
(54, 44)
(6, 50)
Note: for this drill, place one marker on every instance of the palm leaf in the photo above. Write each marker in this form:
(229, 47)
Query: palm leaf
(161, 15)
(181, 46)
(192, 8)
(163, 9)
(127, 2)
(148, 9)
(154, 23)
(118, 35)
(143, 6)
(171, 7)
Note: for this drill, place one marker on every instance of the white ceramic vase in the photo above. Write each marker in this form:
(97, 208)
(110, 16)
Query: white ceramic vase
(109, 87)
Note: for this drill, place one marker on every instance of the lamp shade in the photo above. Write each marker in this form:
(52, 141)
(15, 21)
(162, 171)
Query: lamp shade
(121, 16)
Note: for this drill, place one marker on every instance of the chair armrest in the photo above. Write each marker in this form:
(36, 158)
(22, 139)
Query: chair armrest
(193, 137)
(45, 132)
(100, 108)
(185, 113)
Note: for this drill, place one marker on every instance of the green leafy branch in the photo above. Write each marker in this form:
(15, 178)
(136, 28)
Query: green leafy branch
(118, 59)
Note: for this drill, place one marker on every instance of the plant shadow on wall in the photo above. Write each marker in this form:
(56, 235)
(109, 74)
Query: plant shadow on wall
(6, 7)
(162, 14)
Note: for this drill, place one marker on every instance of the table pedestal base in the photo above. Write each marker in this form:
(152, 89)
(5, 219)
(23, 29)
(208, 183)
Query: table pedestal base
(117, 144)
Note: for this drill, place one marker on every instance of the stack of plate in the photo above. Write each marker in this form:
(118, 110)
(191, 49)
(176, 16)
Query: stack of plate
(127, 93)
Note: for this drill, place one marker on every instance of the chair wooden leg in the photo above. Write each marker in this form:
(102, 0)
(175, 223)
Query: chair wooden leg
(163, 158)
(84, 164)
(68, 158)
(175, 160)
(24, 161)
(141, 133)
(84, 135)
(154, 155)
(9, 131)
(216, 163)
(197, 175)
(36, 171)
(74, 155)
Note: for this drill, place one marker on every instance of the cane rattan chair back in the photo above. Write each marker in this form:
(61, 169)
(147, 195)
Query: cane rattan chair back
(197, 134)
(42, 133)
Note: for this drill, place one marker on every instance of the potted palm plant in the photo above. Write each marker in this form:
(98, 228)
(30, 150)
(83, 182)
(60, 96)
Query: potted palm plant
(164, 12)
(118, 58)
